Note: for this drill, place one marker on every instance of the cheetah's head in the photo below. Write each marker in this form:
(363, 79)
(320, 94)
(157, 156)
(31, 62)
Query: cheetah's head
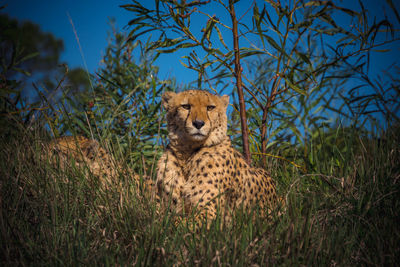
(196, 116)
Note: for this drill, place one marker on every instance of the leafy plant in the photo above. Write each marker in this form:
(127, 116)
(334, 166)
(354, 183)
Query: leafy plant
(123, 107)
(303, 46)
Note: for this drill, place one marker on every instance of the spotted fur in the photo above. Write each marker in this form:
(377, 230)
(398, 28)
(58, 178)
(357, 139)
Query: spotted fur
(84, 153)
(200, 168)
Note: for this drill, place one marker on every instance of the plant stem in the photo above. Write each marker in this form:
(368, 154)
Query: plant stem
(238, 75)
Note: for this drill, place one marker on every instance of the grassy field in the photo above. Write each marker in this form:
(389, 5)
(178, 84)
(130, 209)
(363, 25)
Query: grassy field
(343, 211)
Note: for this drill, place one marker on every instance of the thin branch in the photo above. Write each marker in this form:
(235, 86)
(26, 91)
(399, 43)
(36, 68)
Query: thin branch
(252, 4)
(238, 74)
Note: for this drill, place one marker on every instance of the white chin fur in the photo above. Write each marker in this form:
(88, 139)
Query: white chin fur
(198, 137)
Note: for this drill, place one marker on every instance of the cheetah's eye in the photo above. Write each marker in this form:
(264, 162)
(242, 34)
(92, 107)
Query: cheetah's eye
(209, 108)
(186, 106)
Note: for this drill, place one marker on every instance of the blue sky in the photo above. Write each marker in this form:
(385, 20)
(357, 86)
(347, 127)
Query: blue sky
(90, 18)
(91, 21)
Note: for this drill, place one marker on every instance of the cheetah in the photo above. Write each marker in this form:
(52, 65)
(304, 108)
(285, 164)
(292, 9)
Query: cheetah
(84, 152)
(199, 168)
(89, 154)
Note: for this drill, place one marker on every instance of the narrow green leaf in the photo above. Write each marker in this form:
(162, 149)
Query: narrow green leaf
(295, 88)
(221, 39)
(382, 50)
(250, 52)
(27, 73)
(273, 43)
(304, 57)
(390, 3)
(32, 55)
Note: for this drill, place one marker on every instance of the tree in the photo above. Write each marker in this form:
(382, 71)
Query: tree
(30, 55)
(305, 44)
(34, 49)
(30, 74)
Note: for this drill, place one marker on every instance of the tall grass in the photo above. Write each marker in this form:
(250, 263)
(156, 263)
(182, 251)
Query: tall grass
(344, 211)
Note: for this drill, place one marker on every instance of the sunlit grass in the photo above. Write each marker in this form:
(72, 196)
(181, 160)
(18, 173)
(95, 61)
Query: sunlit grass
(345, 212)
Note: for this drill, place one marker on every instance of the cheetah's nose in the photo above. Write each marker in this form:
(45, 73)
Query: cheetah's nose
(198, 124)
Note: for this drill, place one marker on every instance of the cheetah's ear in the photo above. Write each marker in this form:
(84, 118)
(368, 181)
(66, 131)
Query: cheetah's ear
(166, 97)
(225, 100)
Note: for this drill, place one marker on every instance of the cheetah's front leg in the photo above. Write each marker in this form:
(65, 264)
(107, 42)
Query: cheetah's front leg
(170, 180)
(205, 198)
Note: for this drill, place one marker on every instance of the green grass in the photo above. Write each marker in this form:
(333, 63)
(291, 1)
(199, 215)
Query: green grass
(345, 211)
